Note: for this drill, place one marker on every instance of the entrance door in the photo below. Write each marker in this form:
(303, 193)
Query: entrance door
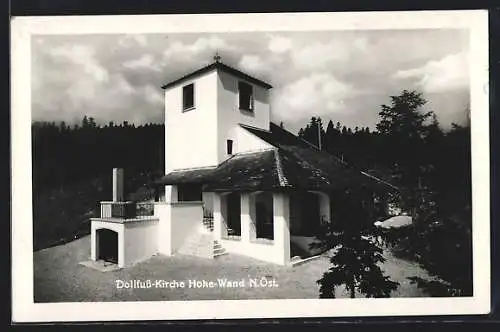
(310, 214)
(108, 245)
(234, 214)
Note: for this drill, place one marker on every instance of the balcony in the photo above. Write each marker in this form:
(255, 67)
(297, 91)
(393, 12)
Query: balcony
(127, 210)
(122, 210)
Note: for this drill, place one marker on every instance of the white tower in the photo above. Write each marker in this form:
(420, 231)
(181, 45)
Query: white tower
(203, 111)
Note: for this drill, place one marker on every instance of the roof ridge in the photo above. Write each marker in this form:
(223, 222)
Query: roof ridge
(252, 127)
(296, 136)
(217, 66)
(279, 169)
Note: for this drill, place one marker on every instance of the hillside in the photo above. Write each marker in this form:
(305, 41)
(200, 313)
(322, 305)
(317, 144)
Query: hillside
(63, 214)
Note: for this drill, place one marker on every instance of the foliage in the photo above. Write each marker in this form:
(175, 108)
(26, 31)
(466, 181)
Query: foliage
(356, 256)
(63, 154)
(72, 172)
(432, 169)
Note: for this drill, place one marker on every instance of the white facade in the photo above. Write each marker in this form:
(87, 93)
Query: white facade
(197, 137)
(191, 136)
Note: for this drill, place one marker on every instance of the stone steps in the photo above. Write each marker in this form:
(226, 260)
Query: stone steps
(202, 244)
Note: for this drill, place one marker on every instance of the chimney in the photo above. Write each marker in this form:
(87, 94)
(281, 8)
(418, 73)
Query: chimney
(118, 192)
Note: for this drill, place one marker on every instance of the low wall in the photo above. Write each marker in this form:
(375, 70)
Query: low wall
(141, 240)
(176, 221)
(186, 217)
(119, 228)
(137, 238)
(265, 250)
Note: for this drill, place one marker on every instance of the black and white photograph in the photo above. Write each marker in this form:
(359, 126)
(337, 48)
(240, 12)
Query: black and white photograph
(250, 165)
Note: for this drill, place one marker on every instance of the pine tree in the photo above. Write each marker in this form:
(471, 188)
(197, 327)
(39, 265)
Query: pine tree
(355, 256)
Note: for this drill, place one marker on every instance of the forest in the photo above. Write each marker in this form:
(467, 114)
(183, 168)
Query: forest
(431, 167)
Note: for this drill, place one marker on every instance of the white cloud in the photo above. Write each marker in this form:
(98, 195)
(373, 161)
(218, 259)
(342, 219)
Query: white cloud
(146, 61)
(318, 55)
(317, 94)
(446, 74)
(279, 44)
(152, 95)
(186, 51)
(133, 40)
(253, 63)
(84, 57)
(318, 73)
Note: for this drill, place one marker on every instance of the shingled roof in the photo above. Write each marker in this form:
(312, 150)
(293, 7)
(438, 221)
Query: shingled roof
(292, 163)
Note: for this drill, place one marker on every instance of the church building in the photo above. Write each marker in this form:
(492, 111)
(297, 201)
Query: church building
(234, 181)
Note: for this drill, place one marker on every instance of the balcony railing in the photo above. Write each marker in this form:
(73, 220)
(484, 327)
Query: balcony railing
(123, 210)
(144, 209)
(126, 210)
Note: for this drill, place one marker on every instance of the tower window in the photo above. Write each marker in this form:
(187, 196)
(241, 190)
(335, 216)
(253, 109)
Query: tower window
(188, 97)
(245, 91)
(229, 146)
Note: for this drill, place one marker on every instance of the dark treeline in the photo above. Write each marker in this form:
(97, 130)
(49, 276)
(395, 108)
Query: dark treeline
(63, 154)
(432, 169)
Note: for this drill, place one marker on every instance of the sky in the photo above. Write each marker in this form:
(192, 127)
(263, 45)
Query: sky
(342, 76)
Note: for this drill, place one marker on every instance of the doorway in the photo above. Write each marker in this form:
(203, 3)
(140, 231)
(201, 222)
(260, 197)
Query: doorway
(107, 249)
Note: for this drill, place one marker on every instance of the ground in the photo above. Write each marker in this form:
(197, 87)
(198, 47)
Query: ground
(58, 277)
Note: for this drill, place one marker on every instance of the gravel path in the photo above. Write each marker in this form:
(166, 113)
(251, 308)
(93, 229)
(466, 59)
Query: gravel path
(59, 278)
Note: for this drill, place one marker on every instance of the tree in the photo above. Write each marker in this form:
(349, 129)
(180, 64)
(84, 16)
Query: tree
(403, 127)
(404, 116)
(310, 132)
(355, 254)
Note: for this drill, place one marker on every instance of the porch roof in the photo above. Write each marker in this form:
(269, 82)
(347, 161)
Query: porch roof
(292, 163)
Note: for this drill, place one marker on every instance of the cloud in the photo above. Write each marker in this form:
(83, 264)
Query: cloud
(279, 44)
(318, 55)
(317, 94)
(182, 51)
(344, 75)
(446, 74)
(253, 63)
(84, 57)
(145, 62)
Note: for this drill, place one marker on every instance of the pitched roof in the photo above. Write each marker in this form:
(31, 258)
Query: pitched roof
(217, 66)
(291, 164)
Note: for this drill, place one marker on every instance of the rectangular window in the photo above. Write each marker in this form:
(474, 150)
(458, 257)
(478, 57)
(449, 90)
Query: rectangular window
(188, 97)
(229, 146)
(245, 96)
(189, 193)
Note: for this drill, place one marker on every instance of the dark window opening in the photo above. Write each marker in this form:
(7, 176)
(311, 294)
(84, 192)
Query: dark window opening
(234, 214)
(188, 96)
(107, 245)
(264, 223)
(245, 96)
(189, 193)
(229, 146)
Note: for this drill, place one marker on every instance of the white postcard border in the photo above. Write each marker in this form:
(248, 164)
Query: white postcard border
(25, 310)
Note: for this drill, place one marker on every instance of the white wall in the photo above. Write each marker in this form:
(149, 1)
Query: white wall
(176, 222)
(187, 217)
(164, 235)
(208, 200)
(246, 142)
(277, 251)
(229, 115)
(197, 138)
(190, 137)
(141, 240)
(137, 240)
(119, 228)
